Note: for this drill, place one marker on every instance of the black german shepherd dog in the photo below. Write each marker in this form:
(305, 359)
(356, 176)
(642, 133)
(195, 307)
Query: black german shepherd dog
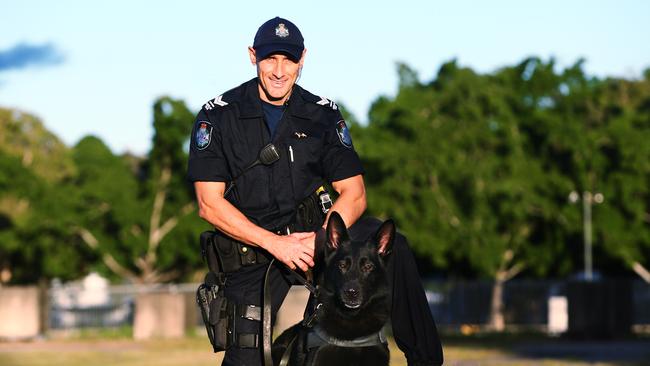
(353, 302)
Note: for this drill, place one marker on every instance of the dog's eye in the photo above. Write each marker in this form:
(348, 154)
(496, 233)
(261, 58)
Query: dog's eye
(343, 265)
(367, 267)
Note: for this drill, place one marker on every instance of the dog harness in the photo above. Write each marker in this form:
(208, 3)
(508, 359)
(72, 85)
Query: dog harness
(318, 338)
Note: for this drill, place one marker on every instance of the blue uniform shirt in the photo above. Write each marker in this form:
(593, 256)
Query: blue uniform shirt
(312, 139)
(272, 115)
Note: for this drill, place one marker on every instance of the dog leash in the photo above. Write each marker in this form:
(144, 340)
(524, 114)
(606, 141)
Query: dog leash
(267, 331)
(287, 353)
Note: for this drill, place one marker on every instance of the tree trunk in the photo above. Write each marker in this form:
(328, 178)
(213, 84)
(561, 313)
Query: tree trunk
(497, 321)
(641, 271)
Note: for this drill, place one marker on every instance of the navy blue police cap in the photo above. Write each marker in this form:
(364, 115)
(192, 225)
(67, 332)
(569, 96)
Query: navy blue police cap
(278, 35)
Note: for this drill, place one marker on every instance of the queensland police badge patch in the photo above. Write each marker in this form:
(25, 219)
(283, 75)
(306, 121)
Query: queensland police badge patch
(203, 134)
(344, 134)
(282, 31)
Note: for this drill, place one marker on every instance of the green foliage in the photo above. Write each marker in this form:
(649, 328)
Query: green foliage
(18, 189)
(23, 135)
(127, 202)
(474, 166)
(173, 124)
(34, 235)
(89, 209)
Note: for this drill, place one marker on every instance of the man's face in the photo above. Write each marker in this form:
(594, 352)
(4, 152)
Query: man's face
(277, 74)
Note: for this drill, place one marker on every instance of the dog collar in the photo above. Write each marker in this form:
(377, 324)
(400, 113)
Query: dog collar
(317, 337)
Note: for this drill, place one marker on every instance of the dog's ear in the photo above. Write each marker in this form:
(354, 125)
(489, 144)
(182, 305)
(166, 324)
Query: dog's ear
(385, 237)
(336, 231)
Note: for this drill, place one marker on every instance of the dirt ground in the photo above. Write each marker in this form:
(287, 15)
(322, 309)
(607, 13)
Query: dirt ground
(195, 351)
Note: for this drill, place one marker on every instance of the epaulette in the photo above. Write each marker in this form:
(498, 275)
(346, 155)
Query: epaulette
(328, 103)
(217, 101)
(313, 98)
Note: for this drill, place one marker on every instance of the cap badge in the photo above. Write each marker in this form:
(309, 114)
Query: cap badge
(281, 31)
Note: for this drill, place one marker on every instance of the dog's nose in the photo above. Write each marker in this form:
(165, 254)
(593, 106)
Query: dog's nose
(352, 293)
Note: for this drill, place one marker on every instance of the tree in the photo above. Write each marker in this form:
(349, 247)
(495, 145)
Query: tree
(18, 187)
(481, 166)
(23, 136)
(618, 117)
(136, 211)
(34, 236)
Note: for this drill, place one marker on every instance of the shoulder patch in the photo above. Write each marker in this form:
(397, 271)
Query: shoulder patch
(218, 101)
(203, 134)
(327, 102)
(344, 134)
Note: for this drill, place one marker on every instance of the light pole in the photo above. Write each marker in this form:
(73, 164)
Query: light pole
(588, 199)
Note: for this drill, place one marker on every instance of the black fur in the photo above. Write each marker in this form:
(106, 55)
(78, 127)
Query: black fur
(353, 288)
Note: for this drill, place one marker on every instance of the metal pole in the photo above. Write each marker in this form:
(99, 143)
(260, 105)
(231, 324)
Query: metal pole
(586, 207)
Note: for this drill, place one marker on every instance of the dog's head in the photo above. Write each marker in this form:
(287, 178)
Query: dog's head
(355, 273)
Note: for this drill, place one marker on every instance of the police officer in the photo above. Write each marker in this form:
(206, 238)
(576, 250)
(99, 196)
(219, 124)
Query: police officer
(267, 211)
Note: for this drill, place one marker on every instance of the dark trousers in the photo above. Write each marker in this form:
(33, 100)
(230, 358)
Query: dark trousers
(414, 329)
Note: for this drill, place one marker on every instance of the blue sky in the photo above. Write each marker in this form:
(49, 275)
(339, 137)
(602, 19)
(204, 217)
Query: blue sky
(96, 67)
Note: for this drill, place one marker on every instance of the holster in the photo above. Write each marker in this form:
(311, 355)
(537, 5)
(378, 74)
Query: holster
(214, 311)
(224, 255)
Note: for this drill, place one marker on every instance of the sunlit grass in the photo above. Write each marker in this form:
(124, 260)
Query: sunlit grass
(196, 351)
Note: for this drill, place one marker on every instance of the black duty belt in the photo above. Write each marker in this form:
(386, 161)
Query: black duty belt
(250, 255)
(284, 230)
(253, 255)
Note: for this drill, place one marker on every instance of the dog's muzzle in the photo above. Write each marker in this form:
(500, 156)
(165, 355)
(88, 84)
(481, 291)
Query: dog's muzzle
(351, 297)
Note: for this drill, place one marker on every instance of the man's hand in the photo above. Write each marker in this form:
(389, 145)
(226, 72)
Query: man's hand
(307, 239)
(293, 250)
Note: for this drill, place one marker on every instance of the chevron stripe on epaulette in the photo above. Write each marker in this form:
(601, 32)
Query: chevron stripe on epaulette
(215, 102)
(327, 102)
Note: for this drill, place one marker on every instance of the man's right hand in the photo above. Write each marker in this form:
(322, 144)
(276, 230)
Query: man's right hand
(291, 250)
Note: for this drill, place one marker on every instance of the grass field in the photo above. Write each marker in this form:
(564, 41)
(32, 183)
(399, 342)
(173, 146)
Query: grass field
(195, 351)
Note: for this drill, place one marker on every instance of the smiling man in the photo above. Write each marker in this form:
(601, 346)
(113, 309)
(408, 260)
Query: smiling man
(267, 201)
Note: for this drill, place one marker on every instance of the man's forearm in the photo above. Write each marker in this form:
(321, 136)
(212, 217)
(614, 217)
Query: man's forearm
(228, 219)
(288, 249)
(349, 208)
(351, 202)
